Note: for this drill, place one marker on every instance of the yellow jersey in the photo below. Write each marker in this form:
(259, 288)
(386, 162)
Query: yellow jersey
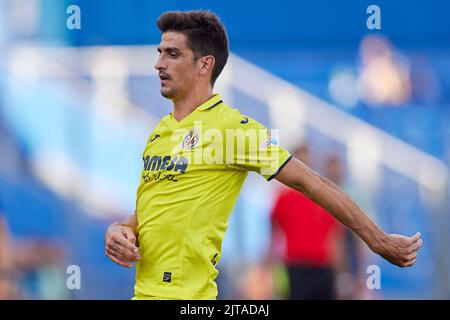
(192, 173)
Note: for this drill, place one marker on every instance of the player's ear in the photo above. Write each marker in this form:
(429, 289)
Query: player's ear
(206, 64)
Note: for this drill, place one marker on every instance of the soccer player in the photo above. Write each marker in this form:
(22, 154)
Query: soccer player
(183, 204)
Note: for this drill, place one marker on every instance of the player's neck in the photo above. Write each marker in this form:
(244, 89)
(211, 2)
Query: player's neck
(185, 106)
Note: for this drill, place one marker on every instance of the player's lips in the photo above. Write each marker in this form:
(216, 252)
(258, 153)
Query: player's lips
(164, 77)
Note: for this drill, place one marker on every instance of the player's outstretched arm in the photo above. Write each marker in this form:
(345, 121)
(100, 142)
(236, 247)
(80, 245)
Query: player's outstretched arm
(397, 249)
(120, 242)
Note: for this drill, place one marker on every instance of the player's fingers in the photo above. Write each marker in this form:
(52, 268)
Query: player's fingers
(126, 244)
(113, 256)
(129, 234)
(120, 263)
(110, 244)
(409, 263)
(114, 239)
(114, 245)
(414, 238)
(124, 253)
(412, 256)
(416, 246)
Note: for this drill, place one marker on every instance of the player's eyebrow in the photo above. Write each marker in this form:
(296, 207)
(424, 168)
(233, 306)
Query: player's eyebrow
(169, 50)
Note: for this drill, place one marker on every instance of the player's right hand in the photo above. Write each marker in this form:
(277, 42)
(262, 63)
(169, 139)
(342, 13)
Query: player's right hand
(400, 250)
(120, 245)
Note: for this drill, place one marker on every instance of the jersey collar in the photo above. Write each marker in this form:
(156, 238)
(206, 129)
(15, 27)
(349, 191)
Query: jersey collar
(211, 103)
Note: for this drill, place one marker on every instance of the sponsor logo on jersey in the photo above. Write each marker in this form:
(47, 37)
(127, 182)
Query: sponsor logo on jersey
(167, 163)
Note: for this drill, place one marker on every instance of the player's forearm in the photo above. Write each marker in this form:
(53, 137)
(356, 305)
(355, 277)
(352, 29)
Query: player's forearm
(337, 203)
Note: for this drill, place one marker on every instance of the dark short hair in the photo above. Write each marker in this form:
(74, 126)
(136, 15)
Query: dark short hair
(205, 34)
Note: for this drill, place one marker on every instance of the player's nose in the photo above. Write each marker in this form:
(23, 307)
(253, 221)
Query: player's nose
(159, 64)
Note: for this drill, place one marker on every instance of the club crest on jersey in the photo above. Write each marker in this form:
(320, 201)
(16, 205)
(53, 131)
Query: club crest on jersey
(190, 140)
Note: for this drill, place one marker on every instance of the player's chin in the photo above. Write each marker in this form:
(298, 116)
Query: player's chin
(167, 92)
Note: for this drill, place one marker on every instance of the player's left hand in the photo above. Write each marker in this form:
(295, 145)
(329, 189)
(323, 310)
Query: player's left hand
(400, 250)
(120, 245)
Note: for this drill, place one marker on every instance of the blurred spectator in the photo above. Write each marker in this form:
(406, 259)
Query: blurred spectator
(384, 74)
(310, 238)
(6, 261)
(256, 283)
(426, 87)
(30, 268)
(40, 271)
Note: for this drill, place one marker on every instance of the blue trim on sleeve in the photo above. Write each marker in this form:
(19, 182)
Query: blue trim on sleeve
(279, 169)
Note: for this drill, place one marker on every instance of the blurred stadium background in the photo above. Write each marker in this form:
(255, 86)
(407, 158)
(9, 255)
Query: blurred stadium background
(76, 107)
